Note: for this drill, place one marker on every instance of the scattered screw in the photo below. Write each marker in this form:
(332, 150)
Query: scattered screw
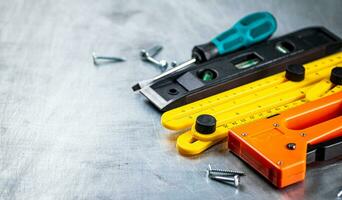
(173, 64)
(147, 55)
(339, 194)
(228, 176)
(114, 59)
(235, 179)
(224, 172)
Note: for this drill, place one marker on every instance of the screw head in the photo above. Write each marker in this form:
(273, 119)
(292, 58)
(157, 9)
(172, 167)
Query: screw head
(208, 173)
(163, 64)
(236, 180)
(244, 134)
(94, 58)
(173, 64)
(144, 54)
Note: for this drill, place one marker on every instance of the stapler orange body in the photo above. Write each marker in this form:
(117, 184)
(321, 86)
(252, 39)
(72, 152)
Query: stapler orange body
(277, 147)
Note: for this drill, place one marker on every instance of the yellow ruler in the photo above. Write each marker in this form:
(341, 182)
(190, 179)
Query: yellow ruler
(259, 99)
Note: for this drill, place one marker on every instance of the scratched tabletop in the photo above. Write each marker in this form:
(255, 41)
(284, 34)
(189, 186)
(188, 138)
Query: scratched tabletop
(72, 130)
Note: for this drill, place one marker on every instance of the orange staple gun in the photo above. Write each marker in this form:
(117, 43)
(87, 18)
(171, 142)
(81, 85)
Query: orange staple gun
(280, 147)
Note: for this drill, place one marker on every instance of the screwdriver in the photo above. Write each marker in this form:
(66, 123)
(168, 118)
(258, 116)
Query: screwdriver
(249, 30)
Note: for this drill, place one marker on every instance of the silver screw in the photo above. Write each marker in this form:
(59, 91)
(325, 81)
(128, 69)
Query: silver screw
(112, 58)
(174, 63)
(224, 172)
(147, 55)
(339, 194)
(235, 179)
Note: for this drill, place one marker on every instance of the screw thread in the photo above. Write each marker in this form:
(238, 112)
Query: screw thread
(222, 171)
(228, 171)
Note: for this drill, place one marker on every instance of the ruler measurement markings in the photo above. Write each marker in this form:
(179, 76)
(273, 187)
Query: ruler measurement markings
(209, 102)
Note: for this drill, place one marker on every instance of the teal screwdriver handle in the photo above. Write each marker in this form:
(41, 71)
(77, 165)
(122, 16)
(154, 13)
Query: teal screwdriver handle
(249, 30)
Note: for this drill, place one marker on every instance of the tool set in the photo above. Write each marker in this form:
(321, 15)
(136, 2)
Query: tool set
(259, 99)
(277, 102)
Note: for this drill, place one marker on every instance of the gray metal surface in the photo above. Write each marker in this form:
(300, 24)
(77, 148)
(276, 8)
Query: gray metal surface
(69, 130)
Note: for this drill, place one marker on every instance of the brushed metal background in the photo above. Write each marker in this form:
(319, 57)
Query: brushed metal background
(69, 130)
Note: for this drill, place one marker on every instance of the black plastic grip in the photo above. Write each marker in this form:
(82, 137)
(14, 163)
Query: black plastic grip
(204, 52)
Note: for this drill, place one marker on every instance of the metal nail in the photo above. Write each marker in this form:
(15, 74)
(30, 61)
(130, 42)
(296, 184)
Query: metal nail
(147, 55)
(111, 58)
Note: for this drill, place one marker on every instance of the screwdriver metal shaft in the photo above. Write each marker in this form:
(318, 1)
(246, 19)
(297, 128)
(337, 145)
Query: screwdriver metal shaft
(144, 83)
